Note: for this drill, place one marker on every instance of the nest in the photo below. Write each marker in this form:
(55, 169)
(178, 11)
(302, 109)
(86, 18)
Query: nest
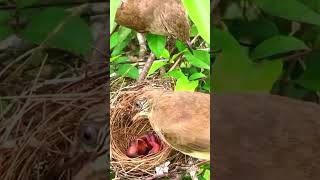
(39, 133)
(122, 130)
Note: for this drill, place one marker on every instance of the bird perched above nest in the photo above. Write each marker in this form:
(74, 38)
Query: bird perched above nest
(162, 17)
(264, 137)
(181, 119)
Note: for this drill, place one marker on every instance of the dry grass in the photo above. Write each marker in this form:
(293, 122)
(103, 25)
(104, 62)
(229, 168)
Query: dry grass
(38, 131)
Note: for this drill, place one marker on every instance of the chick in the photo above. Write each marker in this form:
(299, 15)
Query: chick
(138, 147)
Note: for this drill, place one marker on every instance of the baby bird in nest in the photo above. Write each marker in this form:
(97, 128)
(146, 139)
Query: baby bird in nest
(144, 145)
(181, 119)
(161, 17)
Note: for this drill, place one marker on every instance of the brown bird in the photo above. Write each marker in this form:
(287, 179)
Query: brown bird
(162, 17)
(181, 119)
(263, 137)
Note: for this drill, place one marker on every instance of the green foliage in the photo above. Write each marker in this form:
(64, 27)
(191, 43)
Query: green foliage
(51, 27)
(289, 9)
(127, 70)
(26, 3)
(277, 45)
(121, 41)
(268, 45)
(199, 12)
(114, 4)
(155, 66)
(190, 70)
(157, 44)
(311, 77)
(58, 28)
(5, 29)
(234, 70)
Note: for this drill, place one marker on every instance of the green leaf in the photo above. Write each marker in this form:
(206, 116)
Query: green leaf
(114, 39)
(310, 78)
(5, 31)
(194, 30)
(199, 12)
(289, 9)
(58, 29)
(198, 62)
(183, 84)
(204, 56)
(114, 4)
(277, 45)
(207, 86)
(180, 45)
(234, 71)
(120, 59)
(252, 31)
(155, 66)
(127, 70)
(207, 174)
(124, 37)
(313, 4)
(4, 16)
(197, 76)
(165, 54)
(26, 3)
(157, 44)
(176, 74)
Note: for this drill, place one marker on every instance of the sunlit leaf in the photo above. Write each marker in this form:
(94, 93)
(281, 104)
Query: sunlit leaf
(157, 44)
(175, 74)
(199, 12)
(114, 39)
(196, 61)
(155, 66)
(197, 76)
(127, 70)
(183, 84)
(114, 4)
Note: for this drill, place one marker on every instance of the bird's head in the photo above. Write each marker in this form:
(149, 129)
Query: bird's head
(137, 148)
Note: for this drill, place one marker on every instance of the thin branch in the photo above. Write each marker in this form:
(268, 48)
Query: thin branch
(142, 44)
(146, 67)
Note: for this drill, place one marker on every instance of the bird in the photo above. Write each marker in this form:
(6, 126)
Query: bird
(264, 136)
(161, 17)
(181, 119)
(153, 142)
(144, 145)
(137, 147)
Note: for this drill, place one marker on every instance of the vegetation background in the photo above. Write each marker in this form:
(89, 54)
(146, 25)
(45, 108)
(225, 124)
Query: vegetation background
(192, 72)
(267, 46)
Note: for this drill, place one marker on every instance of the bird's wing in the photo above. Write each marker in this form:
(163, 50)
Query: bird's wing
(183, 120)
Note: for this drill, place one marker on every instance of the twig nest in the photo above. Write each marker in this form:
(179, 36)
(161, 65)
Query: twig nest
(124, 129)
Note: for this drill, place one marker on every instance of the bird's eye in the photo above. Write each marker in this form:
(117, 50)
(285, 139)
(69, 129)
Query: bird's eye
(89, 135)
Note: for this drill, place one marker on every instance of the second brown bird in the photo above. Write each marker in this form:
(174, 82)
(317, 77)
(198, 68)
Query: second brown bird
(162, 17)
